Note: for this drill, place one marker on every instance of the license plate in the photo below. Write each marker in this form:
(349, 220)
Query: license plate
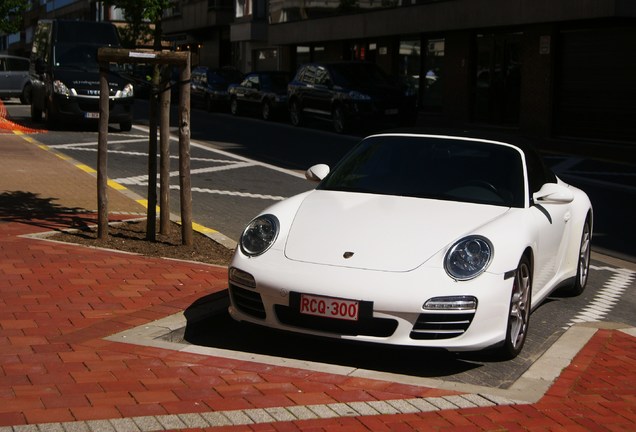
(328, 307)
(393, 111)
(92, 115)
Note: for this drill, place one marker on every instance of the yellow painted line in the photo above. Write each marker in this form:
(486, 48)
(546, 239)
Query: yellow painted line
(203, 229)
(116, 185)
(86, 168)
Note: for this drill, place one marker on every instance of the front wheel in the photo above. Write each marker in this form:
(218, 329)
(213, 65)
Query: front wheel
(36, 114)
(583, 265)
(125, 126)
(234, 109)
(340, 123)
(295, 114)
(266, 111)
(25, 98)
(519, 311)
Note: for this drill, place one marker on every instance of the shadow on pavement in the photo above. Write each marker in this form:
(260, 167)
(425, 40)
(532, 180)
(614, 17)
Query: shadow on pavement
(31, 209)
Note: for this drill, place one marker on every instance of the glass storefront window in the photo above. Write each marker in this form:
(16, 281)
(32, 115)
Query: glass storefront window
(497, 86)
(410, 61)
(432, 96)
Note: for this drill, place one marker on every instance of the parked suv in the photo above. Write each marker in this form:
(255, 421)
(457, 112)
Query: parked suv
(14, 78)
(348, 93)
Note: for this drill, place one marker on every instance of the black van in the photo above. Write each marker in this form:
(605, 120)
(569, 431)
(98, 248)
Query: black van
(65, 74)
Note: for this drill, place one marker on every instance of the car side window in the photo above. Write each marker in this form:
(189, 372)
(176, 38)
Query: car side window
(252, 82)
(17, 65)
(322, 76)
(308, 75)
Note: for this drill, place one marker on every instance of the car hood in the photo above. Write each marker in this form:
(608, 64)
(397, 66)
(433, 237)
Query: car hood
(379, 232)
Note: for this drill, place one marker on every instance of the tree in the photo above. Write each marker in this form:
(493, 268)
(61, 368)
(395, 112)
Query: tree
(138, 14)
(11, 15)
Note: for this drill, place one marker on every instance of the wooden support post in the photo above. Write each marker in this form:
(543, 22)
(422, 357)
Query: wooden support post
(164, 151)
(102, 154)
(151, 211)
(184, 153)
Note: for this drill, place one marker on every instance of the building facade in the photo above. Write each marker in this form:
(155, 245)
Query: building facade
(545, 68)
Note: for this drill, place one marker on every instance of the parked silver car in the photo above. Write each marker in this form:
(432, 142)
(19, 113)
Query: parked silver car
(14, 78)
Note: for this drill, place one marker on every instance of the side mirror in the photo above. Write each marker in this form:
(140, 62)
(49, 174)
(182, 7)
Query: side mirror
(317, 172)
(552, 193)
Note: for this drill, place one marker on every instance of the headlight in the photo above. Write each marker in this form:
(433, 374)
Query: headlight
(468, 257)
(128, 91)
(60, 88)
(259, 235)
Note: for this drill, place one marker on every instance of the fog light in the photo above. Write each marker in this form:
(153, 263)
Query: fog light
(241, 278)
(451, 303)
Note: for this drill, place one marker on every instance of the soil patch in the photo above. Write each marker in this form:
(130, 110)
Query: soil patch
(130, 236)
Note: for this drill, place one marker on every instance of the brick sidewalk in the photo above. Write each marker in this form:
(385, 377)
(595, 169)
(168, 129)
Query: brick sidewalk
(58, 303)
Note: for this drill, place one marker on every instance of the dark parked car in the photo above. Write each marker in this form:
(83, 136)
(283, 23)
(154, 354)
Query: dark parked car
(209, 86)
(264, 93)
(349, 93)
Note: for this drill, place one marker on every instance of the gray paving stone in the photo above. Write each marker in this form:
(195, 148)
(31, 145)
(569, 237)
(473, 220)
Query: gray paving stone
(216, 419)
(460, 401)
(343, 410)
(6, 429)
(147, 423)
(302, 413)
(238, 417)
(498, 400)
(363, 408)
(281, 414)
(478, 400)
(50, 427)
(423, 405)
(124, 425)
(383, 408)
(26, 428)
(322, 411)
(171, 422)
(403, 406)
(75, 427)
(442, 403)
(194, 420)
(259, 415)
(100, 426)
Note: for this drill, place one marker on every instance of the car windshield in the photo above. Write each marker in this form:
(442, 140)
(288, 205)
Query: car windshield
(430, 167)
(77, 56)
(358, 74)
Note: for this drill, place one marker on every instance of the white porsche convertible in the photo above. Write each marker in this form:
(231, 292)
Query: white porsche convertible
(420, 240)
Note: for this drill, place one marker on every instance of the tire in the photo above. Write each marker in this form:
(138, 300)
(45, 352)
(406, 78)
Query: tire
(340, 122)
(25, 98)
(36, 114)
(519, 311)
(266, 111)
(583, 262)
(234, 109)
(125, 126)
(295, 113)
